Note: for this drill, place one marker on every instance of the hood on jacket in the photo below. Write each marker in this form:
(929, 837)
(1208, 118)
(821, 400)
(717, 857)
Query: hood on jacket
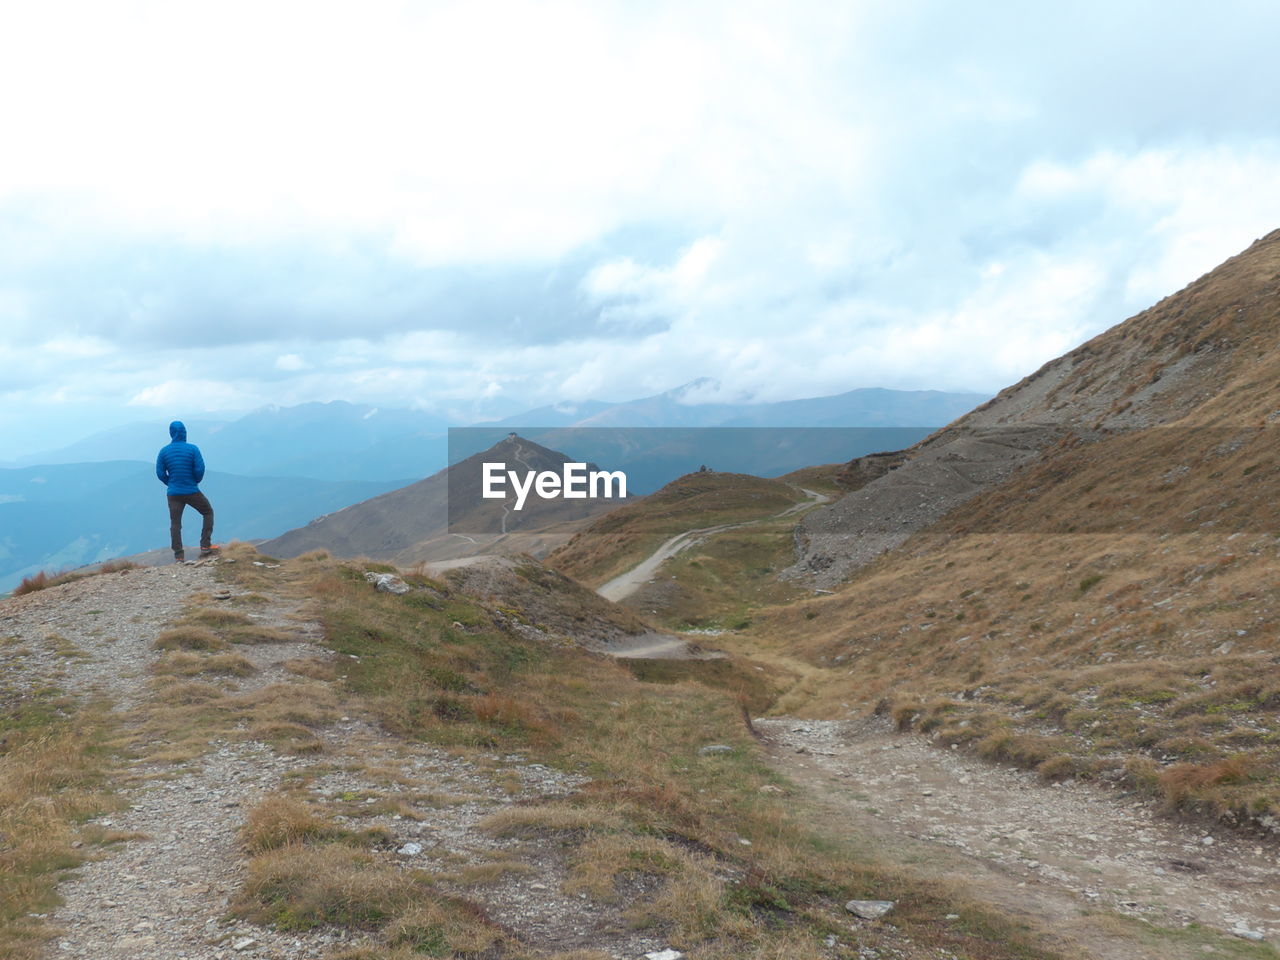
(178, 430)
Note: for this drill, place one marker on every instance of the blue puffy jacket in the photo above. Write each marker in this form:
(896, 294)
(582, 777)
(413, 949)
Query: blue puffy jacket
(179, 464)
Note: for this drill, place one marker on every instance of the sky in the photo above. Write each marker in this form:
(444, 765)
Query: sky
(480, 208)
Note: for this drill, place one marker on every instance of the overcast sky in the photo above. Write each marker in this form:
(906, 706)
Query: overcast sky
(208, 207)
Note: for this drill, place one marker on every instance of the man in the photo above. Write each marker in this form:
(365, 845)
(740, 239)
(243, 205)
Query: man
(180, 467)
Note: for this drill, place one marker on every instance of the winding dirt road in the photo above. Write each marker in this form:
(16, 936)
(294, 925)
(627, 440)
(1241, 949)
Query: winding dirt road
(625, 584)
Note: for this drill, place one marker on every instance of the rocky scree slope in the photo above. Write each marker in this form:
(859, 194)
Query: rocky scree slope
(1200, 357)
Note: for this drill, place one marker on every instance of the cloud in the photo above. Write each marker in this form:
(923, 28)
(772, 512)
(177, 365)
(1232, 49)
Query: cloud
(289, 362)
(1187, 209)
(203, 395)
(435, 204)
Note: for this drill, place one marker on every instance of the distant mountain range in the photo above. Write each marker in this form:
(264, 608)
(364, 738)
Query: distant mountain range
(866, 407)
(652, 457)
(324, 441)
(345, 441)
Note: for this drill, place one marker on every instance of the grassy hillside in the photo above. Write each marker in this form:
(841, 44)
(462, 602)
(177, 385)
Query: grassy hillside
(718, 584)
(704, 849)
(1110, 610)
(623, 537)
(824, 478)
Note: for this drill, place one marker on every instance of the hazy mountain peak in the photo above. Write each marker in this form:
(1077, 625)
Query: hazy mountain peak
(697, 391)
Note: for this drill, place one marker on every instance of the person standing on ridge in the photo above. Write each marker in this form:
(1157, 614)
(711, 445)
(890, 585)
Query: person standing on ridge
(180, 467)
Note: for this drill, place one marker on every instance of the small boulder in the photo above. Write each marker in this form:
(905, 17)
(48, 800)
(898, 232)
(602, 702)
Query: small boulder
(869, 909)
(1241, 930)
(387, 582)
(713, 748)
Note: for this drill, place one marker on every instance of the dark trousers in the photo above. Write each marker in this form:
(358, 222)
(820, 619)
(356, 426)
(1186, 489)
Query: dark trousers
(201, 504)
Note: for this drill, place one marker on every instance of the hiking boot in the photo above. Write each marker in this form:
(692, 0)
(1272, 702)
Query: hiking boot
(179, 556)
(209, 551)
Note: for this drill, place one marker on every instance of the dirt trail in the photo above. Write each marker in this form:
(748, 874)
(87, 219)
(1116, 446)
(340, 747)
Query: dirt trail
(434, 568)
(660, 646)
(1069, 857)
(165, 894)
(625, 584)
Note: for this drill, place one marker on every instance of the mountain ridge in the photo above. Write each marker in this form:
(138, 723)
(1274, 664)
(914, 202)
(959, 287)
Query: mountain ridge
(338, 440)
(444, 515)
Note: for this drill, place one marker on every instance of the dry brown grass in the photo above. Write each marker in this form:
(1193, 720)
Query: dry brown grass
(439, 926)
(187, 694)
(693, 906)
(52, 777)
(287, 715)
(231, 625)
(281, 820)
(823, 478)
(307, 872)
(1185, 784)
(482, 874)
(313, 668)
(297, 887)
(287, 737)
(373, 952)
(601, 861)
(258, 633)
(190, 638)
(183, 716)
(216, 617)
(180, 663)
(310, 704)
(507, 712)
(543, 819)
(235, 627)
(43, 580)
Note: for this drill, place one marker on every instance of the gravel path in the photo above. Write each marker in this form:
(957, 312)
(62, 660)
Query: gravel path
(1055, 853)
(165, 895)
(93, 636)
